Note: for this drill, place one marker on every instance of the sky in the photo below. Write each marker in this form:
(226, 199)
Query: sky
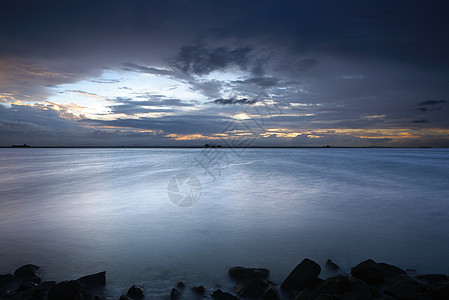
(236, 73)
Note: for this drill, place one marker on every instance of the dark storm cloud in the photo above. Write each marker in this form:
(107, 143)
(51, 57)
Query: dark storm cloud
(431, 102)
(199, 60)
(420, 121)
(421, 109)
(264, 82)
(235, 101)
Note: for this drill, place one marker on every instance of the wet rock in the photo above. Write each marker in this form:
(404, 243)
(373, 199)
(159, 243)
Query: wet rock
(439, 290)
(124, 297)
(349, 296)
(369, 271)
(411, 272)
(432, 278)
(331, 265)
(93, 280)
(332, 285)
(375, 291)
(302, 276)
(27, 273)
(270, 293)
(135, 292)
(5, 280)
(174, 294)
(324, 297)
(251, 288)
(67, 290)
(406, 289)
(180, 285)
(220, 295)
(360, 288)
(45, 285)
(390, 272)
(199, 289)
(240, 273)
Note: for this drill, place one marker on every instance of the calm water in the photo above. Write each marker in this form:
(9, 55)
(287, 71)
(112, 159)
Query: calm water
(78, 211)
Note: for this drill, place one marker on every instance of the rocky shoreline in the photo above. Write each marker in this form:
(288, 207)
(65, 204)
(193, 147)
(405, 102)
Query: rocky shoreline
(367, 280)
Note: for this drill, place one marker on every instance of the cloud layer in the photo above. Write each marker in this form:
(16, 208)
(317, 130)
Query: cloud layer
(301, 73)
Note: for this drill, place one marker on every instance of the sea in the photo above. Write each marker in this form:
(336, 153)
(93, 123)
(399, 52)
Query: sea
(156, 216)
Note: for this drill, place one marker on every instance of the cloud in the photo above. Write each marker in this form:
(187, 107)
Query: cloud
(431, 102)
(264, 82)
(199, 60)
(420, 121)
(144, 69)
(235, 101)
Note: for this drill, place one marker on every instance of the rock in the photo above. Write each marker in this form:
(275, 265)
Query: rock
(135, 292)
(369, 271)
(28, 290)
(93, 280)
(411, 272)
(27, 273)
(390, 272)
(251, 288)
(375, 291)
(270, 293)
(220, 295)
(5, 280)
(124, 297)
(349, 296)
(432, 278)
(324, 297)
(360, 288)
(199, 289)
(331, 265)
(439, 290)
(405, 289)
(303, 276)
(332, 285)
(174, 294)
(240, 273)
(305, 294)
(180, 285)
(67, 290)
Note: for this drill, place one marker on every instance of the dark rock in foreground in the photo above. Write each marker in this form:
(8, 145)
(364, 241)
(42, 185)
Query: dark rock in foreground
(199, 289)
(369, 271)
(270, 293)
(174, 294)
(27, 273)
(407, 289)
(251, 288)
(135, 292)
(5, 280)
(67, 290)
(303, 276)
(439, 290)
(93, 280)
(331, 265)
(180, 285)
(432, 278)
(220, 295)
(240, 273)
(391, 272)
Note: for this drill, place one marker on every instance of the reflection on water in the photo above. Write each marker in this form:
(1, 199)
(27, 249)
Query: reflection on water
(77, 211)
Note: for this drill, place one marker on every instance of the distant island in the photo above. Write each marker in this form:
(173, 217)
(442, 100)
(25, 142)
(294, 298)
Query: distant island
(21, 146)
